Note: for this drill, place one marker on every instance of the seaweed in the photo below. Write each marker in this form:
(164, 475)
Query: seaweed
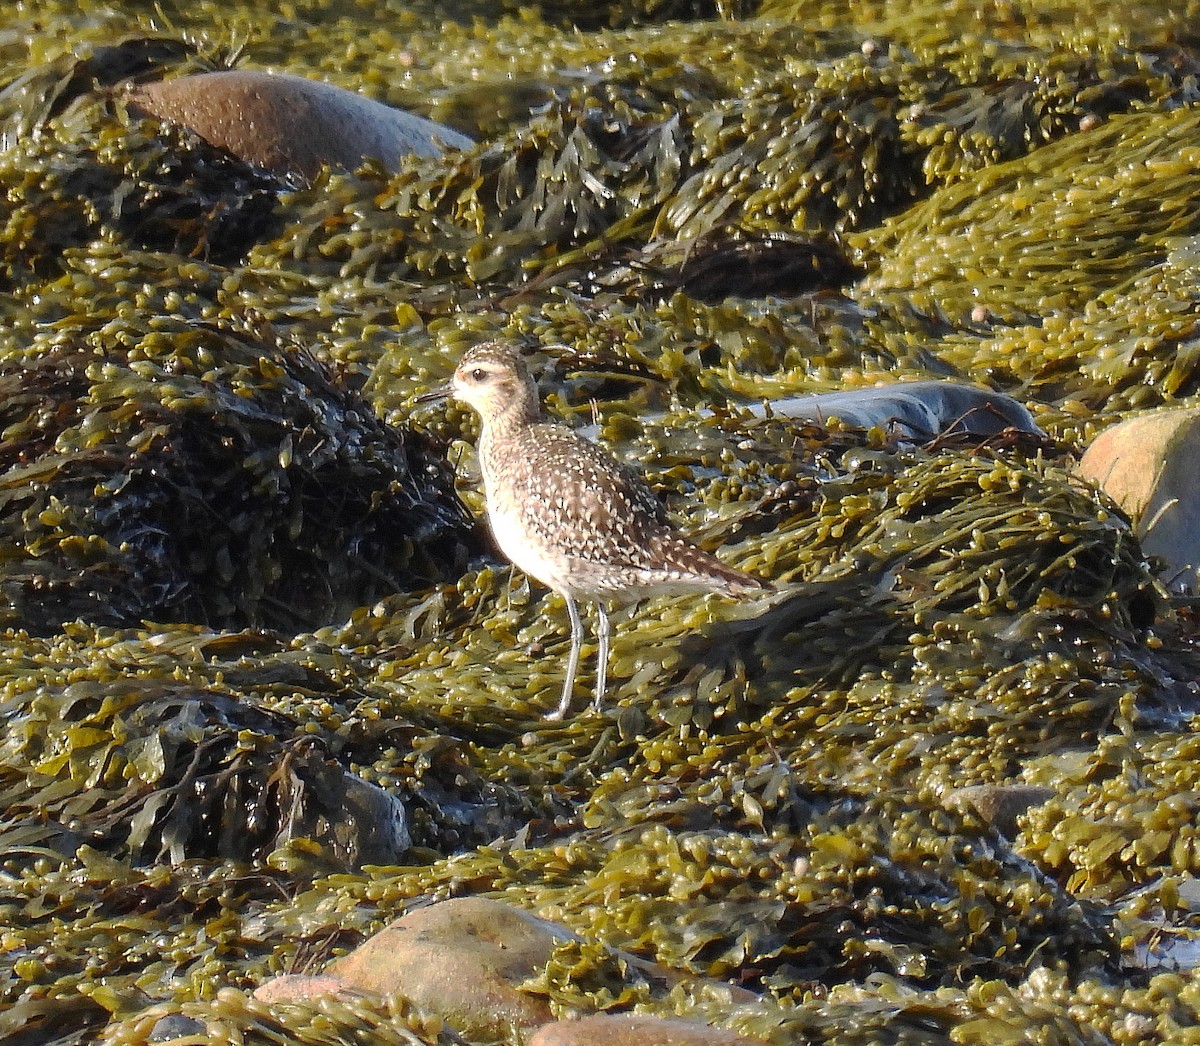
(266, 686)
(160, 468)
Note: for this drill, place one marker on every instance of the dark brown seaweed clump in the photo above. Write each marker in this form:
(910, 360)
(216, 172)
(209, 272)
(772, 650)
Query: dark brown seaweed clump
(182, 471)
(152, 770)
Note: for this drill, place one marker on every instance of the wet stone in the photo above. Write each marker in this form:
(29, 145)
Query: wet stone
(915, 409)
(292, 126)
(292, 987)
(630, 1030)
(1146, 464)
(999, 805)
(175, 1026)
(483, 967)
(464, 959)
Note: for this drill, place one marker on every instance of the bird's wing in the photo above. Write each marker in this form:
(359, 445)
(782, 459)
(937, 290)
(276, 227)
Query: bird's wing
(590, 493)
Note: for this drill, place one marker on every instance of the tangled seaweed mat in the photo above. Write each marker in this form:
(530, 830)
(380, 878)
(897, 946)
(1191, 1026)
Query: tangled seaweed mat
(765, 803)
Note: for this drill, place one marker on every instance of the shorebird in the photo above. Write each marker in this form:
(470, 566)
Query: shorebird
(571, 516)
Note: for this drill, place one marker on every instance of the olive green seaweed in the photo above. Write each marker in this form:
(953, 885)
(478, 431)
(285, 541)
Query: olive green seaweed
(266, 687)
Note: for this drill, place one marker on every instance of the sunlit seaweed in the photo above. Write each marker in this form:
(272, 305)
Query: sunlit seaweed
(1011, 191)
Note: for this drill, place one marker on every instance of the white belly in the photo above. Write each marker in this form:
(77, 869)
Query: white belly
(518, 545)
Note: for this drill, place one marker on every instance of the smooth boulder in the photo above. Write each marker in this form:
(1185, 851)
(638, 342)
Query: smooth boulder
(469, 961)
(913, 409)
(1146, 464)
(627, 1029)
(292, 126)
(465, 960)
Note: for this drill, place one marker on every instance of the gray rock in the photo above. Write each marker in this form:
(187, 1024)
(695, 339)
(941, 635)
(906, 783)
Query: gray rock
(916, 409)
(361, 822)
(175, 1026)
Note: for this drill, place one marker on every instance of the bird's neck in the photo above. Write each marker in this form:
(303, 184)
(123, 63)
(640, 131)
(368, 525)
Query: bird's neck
(505, 426)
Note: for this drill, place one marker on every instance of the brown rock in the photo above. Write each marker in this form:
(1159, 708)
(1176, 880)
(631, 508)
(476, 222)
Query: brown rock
(630, 1030)
(290, 987)
(999, 805)
(289, 125)
(462, 960)
(1147, 466)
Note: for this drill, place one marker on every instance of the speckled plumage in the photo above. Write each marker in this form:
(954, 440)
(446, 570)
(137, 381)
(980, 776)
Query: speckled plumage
(570, 515)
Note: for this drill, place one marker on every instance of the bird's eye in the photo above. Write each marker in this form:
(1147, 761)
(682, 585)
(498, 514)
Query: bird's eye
(478, 374)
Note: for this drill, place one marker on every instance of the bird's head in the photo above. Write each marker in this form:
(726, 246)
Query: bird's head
(493, 380)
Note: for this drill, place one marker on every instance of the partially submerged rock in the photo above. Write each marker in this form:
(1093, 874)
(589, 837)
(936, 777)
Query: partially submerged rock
(630, 1030)
(292, 126)
(917, 410)
(1147, 465)
(465, 959)
(495, 971)
(1000, 805)
(174, 1026)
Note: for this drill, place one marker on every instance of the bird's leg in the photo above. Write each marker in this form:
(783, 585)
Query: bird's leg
(572, 660)
(603, 630)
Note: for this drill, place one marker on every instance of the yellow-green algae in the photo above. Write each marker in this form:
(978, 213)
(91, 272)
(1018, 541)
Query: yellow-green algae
(767, 802)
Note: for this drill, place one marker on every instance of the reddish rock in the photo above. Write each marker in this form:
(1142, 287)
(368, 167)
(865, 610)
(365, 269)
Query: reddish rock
(465, 960)
(462, 959)
(630, 1030)
(289, 125)
(1147, 466)
(290, 987)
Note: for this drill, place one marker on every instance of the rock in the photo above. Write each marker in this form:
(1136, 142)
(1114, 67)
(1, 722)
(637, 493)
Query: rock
(1147, 466)
(176, 1026)
(630, 1030)
(464, 960)
(372, 827)
(291, 126)
(914, 409)
(290, 987)
(999, 805)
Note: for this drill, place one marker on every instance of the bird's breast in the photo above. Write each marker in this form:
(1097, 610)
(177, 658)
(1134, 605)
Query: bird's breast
(526, 545)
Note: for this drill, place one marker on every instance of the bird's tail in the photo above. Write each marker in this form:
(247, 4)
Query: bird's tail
(705, 570)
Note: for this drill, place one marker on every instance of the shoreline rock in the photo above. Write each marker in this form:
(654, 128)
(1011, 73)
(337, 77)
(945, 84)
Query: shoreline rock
(292, 126)
(626, 1029)
(474, 962)
(1146, 464)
